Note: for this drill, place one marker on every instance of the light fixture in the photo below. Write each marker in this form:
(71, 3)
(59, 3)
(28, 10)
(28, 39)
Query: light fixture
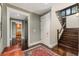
(18, 26)
(77, 14)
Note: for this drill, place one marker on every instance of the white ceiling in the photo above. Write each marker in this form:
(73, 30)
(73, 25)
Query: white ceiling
(41, 8)
(38, 8)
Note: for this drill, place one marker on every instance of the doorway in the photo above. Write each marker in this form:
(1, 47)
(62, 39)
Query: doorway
(19, 33)
(18, 28)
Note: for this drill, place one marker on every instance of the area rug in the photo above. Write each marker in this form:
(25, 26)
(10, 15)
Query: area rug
(40, 51)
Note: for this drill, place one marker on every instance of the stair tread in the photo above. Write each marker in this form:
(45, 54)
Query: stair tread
(74, 43)
(69, 38)
(69, 41)
(68, 46)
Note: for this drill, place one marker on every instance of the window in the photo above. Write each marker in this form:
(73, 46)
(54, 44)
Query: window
(74, 9)
(68, 11)
(63, 13)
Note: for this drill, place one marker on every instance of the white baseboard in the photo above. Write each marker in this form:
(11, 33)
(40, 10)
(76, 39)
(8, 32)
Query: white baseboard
(53, 45)
(31, 44)
(50, 45)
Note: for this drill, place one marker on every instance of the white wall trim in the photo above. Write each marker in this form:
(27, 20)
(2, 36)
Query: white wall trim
(31, 44)
(53, 45)
(8, 28)
(29, 31)
(49, 45)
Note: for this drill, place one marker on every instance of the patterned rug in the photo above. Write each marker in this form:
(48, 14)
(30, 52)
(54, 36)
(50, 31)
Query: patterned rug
(40, 51)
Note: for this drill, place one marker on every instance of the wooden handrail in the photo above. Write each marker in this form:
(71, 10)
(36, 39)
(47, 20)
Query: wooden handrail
(57, 34)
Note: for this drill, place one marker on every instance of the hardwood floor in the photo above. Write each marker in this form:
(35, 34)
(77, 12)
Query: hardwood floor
(17, 51)
(13, 51)
(63, 51)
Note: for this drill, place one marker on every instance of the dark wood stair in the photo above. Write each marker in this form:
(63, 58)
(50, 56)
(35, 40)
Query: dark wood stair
(69, 40)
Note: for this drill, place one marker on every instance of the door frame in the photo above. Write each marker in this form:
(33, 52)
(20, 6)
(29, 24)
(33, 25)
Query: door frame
(8, 23)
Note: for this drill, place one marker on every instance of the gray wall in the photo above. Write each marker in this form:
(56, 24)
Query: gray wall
(1, 45)
(34, 28)
(3, 41)
(0, 31)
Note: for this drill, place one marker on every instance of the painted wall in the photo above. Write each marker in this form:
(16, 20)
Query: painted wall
(34, 29)
(5, 30)
(55, 24)
(72, 21)
(1, 41)
(1, 45)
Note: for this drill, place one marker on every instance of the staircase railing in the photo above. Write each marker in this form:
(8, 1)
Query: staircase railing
(62, 21)
(60, 32)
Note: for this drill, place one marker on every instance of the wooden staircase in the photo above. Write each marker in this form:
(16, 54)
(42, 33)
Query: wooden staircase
(69, 40)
